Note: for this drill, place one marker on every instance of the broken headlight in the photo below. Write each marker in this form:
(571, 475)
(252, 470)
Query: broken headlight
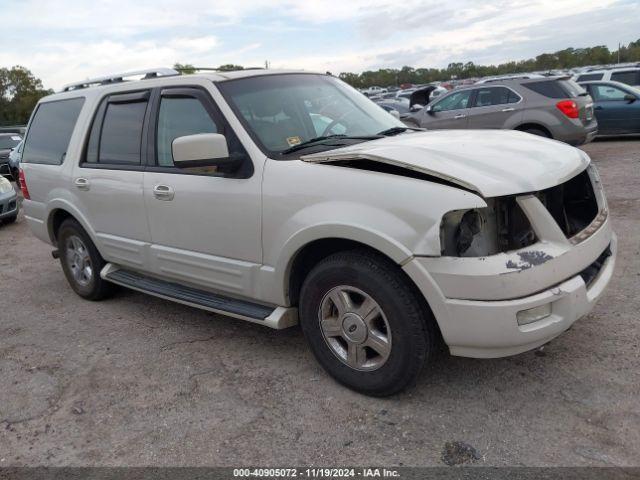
(499, 227)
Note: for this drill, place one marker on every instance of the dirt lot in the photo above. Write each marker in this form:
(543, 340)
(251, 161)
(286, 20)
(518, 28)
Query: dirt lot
(137, 380)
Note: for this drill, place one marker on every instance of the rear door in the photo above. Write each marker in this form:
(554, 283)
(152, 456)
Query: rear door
(615, 114)
(205, 222)
(449, 112)
(108, 182)
(495, 107)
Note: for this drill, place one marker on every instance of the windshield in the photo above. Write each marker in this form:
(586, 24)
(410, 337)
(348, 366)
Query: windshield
(282, 111)
(9, 141)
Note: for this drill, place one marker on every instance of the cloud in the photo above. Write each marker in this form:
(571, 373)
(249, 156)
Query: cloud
(66, 40)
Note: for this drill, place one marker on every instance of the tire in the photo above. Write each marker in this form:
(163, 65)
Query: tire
(76, 248)
(537, 131)
(403, 328)
(11, 219)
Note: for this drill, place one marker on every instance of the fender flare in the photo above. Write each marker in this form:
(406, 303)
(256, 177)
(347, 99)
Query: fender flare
(386, 245)
(62, 204)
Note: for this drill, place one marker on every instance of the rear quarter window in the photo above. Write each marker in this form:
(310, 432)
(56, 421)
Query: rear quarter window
(50, 131)
(590, 76)
(556, 88)
(630, 78)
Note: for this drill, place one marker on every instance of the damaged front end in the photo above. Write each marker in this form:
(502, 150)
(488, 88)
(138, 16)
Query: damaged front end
(576, 208)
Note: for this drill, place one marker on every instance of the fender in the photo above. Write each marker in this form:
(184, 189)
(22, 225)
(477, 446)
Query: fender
(62, 204)
(372, 238)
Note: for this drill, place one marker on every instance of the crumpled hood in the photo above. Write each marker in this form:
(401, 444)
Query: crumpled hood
(490, 162)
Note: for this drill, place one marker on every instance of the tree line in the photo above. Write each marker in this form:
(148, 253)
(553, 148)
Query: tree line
(562, 59)
(20, 90)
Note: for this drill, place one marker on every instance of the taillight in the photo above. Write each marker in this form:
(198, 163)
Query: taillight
(23, 185)
(569, 108)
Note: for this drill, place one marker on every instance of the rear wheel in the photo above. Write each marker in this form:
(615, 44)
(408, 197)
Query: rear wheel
(537, 131)
(366, 323)
(81, 262)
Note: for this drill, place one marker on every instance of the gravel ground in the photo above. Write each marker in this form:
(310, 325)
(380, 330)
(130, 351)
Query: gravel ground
(137, 380)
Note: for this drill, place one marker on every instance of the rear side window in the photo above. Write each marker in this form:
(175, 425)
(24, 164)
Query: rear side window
(116, 133)
(556, 88)
(630, 78)
(587, 77)
(495, 96)
(121, 133)
(50, 131)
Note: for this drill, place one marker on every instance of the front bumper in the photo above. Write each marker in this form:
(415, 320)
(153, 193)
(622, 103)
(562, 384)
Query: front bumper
(8, 204)
(490, 329)
(476, 300)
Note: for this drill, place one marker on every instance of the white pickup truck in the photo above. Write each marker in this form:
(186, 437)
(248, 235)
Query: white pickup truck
(281, 197)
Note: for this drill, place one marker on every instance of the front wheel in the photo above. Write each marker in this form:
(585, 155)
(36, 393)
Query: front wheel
(81, 262)
(366, 323)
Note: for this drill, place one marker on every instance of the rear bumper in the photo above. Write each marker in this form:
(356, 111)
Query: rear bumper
(476, 300)
(579, 134)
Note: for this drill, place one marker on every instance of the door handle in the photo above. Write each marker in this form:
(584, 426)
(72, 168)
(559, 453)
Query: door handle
(598, 108)
(163, 192)
(509, 109)
(459, 116)
(81, 183)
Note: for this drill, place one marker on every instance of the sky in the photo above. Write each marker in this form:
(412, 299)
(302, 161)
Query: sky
(63, 41)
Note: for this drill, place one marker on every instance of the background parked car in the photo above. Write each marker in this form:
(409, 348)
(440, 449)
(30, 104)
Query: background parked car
(9, 205)
(401, 106)
(14, 162)
(8, 141)
(616, 106)
(553, 107)
(627, 75)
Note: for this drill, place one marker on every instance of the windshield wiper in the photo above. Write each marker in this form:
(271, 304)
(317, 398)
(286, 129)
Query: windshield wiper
(319, 140)
(389, 132)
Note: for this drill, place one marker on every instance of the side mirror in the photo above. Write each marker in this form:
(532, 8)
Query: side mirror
(630, 98)
(200, 150)
(416, 107)
(395, 113)
(430, 110)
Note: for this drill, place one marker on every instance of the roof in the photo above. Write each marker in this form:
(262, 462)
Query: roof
(156, 78)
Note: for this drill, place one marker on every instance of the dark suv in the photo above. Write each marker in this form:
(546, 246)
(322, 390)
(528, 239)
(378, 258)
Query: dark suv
(553, 107)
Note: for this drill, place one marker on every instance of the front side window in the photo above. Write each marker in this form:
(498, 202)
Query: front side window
(179, 117)
(282, 111)
(495, 96)
(606, 93)
(50, 131)
(455, 101)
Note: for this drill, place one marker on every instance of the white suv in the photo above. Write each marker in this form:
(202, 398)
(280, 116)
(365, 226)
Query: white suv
(629, 75)
(283, 197)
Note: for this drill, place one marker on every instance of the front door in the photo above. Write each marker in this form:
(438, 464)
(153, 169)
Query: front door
(614, 113)
(205, 223)
(449, 112)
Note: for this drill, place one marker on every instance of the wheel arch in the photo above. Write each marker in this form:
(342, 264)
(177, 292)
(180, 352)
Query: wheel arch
(59, 211)
(529, 125)
(305, 249)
